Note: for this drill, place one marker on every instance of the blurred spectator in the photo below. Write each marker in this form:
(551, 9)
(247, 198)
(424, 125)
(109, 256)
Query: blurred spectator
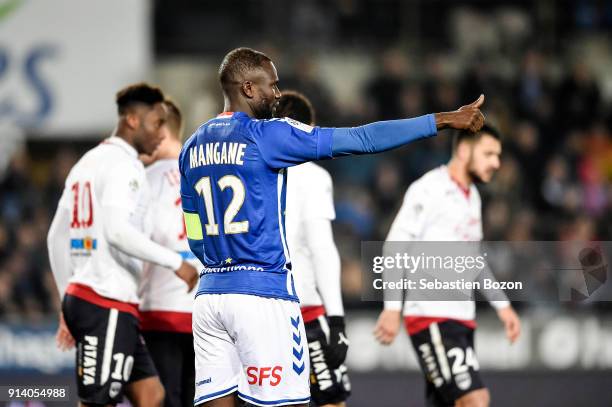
(60, 167)
(19, 195)
(532, 88)
(579, 98)
(307, 79)
(556, 182)
(26, 290)
(525, 148)
(384, 91)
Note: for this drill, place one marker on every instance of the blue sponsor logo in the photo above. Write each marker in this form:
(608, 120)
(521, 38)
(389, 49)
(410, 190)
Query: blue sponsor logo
(87, 243)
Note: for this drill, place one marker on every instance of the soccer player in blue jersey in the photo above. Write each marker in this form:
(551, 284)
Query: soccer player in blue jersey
(248, 332)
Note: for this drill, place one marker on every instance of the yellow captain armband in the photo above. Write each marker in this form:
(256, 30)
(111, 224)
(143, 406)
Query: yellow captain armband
(193, 226)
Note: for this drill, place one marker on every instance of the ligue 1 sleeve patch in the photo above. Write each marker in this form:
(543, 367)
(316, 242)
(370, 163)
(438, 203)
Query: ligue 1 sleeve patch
(298, 125)
(193, 226)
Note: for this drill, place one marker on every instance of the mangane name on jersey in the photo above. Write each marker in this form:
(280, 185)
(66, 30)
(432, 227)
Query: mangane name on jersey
(216, 153)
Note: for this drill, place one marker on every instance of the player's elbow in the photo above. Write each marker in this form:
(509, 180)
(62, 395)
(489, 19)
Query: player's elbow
(54, 229)
(50, 237)
(113, 234)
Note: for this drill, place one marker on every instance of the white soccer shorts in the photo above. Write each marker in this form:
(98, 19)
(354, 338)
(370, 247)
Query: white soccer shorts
(251, 345)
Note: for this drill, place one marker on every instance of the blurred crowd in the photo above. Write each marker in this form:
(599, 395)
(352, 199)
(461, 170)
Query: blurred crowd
(30, 190)
(554, 183)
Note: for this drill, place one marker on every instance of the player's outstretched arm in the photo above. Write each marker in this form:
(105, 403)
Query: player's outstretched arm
(382, 136)
(286, 142)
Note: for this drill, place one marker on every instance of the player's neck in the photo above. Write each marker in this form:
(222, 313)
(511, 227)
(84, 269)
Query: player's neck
(459, 173)
(123, 135)
(237, 106)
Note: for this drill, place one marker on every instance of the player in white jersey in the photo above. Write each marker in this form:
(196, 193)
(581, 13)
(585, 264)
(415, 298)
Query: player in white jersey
(165, 305)
(444, 205)
(97, 246)
(316, 265)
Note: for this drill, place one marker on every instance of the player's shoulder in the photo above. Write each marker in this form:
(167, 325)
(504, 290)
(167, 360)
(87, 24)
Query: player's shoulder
(188, 145)
(191, 140)
(221, 125)
(160, 167)
(430, 179)
(279, 125)
(100, 157)
(429, 184)
(288, 121)
(476, 193)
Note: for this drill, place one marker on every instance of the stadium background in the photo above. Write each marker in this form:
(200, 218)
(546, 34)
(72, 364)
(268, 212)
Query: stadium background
(545, 67)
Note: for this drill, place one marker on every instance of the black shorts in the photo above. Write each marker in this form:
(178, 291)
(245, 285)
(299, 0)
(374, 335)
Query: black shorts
(110, 350)
(327, 386)
(174, 359)
(446, 354)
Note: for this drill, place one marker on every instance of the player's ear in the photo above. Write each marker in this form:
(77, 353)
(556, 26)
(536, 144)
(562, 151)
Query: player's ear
(463, 150)
(132, 119)
(247, 89)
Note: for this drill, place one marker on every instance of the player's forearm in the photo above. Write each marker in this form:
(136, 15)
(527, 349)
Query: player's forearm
(125, 237)
(58, 246)
(497, 298)
(381, 136)
(393, 298)
(326, 265)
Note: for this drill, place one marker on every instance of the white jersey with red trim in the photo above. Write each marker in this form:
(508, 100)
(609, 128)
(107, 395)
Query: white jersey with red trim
(436, 208)
(108, 176)
(161, 291)
(314, 258)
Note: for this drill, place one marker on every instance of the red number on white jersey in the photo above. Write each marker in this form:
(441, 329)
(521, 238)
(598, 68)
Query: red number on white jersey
(82, 209)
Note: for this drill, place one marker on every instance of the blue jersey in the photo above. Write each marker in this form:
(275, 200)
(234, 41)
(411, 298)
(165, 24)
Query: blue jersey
(233, 183)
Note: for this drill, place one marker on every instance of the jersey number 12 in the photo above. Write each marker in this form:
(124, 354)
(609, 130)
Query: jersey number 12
(204, 188)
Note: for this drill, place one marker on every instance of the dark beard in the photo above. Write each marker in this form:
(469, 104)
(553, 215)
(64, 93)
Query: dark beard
(475, 177)
(264, 110)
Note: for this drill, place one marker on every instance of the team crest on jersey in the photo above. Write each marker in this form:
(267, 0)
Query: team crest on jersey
(134, 185)
(418, 208)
